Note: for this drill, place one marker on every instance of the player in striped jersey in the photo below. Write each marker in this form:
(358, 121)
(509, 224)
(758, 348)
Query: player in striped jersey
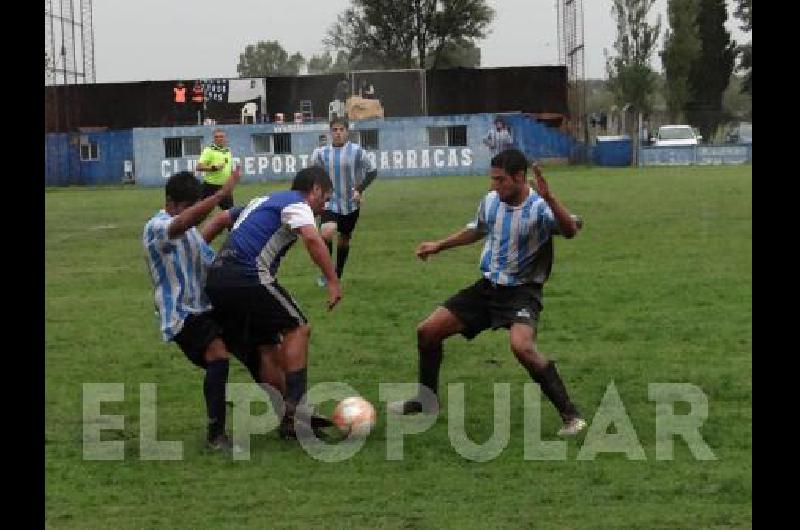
(351, 171)
(177, 255)
(242, 283)
(518, 224)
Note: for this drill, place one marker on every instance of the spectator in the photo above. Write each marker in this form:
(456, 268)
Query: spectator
(198, 100)
(499, 138)
(179, 102)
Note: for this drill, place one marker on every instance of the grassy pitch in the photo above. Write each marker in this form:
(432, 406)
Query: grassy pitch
(655, 289)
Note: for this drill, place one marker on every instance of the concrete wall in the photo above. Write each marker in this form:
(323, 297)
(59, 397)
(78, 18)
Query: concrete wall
(700, 155)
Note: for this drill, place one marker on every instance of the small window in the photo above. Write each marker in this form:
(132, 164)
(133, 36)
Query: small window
(89, 151)
(369, 139)
(282, 143)
(457, 136)
(437, 136)
(173, 148)
(192, 145)
(183, 146)
(262, 143)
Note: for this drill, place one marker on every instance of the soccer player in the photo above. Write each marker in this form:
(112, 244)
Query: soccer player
(242, 281)
(352, 171)
(518, 224)
(216, 161)
(177, 255)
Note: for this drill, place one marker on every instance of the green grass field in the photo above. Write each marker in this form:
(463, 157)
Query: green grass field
(656, 288)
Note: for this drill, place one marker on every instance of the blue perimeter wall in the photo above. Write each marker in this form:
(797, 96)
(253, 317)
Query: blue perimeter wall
(403, 149)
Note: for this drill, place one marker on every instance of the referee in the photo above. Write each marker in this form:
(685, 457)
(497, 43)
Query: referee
(216, 161)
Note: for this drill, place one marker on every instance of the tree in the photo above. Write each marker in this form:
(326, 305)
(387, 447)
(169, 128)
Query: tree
(268, 58)
(459, 53)
(324, 64)
(629, 72)
(711, 71)
(681, 49)
(744, 12)
(408, 34)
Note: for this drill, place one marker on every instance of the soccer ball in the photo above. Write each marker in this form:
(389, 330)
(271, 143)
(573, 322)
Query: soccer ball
(354, 416)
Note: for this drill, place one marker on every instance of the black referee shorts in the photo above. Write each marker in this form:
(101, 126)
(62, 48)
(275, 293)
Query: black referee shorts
(345, 224)
(484, 305)
(210, 189)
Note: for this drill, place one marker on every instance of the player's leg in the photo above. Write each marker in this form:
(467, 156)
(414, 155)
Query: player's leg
(431, 333)
(346, 225)
(217, 358)
(466, 312)
(200, 339)
(522, 337)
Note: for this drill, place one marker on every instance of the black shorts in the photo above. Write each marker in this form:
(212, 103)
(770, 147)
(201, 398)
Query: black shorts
(345, 224)
(198, 331)
(252, 314)
(484, 305)
(210, 189)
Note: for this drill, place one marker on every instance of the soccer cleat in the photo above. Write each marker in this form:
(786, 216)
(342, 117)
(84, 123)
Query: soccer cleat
(322, 281)
(223, 444)
(572, 427)
(409, 406)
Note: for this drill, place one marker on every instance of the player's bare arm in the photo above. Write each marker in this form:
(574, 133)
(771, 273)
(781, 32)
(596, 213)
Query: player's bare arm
(197, 212)
(216, 225)
(568, 225)
(319, 254)
(465, 236)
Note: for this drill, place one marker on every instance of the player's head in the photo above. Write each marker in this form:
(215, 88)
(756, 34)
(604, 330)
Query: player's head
(182, 191)
(499, 124)
(219, 137)
(508, 173)
(339, 128)
(315, 183)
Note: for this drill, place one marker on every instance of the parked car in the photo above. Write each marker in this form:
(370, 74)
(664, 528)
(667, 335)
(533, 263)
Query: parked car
(676, 135)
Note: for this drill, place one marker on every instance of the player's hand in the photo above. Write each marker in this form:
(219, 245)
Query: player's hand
(357, 196)
(334, 294)
(426, 249)
(232, 181)
(542, 188)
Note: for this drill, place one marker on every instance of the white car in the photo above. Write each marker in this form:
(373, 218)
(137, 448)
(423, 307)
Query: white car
(676, 135)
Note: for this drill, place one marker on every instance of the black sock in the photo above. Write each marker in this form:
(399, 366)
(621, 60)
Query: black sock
(553, 387)
(329, 244)
(214, 391)
(295, 386)
(341, 259)
(429, 362)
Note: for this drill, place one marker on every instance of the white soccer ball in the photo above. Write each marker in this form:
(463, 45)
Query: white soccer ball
(354, 416)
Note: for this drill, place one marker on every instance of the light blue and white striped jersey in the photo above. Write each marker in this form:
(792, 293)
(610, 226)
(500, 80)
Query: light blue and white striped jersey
(499, 141)
(519, 246)
(347, 165)
(178, 270)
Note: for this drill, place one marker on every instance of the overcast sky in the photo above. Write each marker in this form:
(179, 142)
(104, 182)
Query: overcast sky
(171, 39)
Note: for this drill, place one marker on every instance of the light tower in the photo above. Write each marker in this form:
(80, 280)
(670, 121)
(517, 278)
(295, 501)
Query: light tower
(69, 42)
(570, 53)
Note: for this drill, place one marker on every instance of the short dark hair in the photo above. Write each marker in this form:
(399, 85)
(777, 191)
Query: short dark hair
(183, 187)
(512, 161)
(499, 120)
(341, 120)
(308, 177)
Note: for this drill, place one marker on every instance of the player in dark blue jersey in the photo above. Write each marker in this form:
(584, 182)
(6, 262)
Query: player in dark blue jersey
(242, 281)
